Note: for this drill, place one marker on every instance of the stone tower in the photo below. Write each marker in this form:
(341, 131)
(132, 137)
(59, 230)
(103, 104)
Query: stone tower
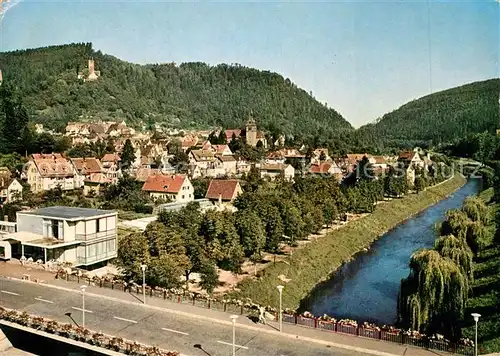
(1, 77)
(91, 67)
(251, 132)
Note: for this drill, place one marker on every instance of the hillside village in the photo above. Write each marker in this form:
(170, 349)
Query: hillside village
(240, 192)
(152, 161)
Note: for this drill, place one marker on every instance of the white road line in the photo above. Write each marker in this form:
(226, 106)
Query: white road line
(7, 292)
(128, 320)
(228, 343)
(80, 309)
(44, 300)
(175, 331)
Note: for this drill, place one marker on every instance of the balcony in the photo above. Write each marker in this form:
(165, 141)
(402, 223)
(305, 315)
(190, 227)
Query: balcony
(94, 259)
(96, 235)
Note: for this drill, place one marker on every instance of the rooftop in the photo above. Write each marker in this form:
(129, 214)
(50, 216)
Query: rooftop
(69, 213)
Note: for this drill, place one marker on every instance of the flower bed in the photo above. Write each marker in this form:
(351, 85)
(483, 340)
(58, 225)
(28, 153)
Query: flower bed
(78, 333)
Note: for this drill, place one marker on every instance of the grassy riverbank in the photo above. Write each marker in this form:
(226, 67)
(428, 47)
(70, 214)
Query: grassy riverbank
(316, 261)
(485, 298)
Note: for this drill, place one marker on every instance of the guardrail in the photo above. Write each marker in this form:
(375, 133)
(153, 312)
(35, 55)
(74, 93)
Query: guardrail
(300, 320)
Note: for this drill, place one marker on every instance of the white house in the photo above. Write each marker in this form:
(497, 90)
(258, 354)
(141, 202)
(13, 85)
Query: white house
(273, 171)
(176, 187)
(78, 236)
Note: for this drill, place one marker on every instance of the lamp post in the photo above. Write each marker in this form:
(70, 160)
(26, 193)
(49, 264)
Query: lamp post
(82, 288)
(280, 315)
(476, 319)
(143, 267)
(233, 318)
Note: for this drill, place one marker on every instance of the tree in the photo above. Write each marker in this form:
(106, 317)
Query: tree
(274, 229)
(133, 251)
(293, 224)
(164, 240)
(165, 270)
(128, 155)
(419, 184)
(209, 278)
(330, 212)
(433, 296)
(456, 250)
(200, 186)
(251, 232)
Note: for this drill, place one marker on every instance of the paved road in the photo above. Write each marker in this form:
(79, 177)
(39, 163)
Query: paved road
(168, 331)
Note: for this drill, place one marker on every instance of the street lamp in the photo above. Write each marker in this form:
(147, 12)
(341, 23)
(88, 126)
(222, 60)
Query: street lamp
(82, 288)
(280, 288)
(143, 267)
(476, 319)
(233, 318)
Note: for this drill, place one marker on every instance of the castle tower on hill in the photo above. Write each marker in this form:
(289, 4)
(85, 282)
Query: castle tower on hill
(92, 73)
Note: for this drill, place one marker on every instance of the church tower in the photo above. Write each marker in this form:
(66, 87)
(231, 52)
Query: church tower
(251, 132)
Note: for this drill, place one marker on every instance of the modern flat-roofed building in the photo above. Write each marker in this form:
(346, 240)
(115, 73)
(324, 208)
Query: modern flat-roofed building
(79, 236)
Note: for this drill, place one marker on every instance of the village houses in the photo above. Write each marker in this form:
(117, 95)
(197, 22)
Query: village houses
(11, 189)
(223, 192)
(48, 171)
(274, 170)
(175, 188)
(111, 166)
(85, 168)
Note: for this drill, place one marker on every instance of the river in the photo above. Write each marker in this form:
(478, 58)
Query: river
(366, 289)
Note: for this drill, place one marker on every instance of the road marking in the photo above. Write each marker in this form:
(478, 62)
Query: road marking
(44, 300)
(228, 343)
(175, 331)
(80, 309)
(128, 320)
(7, 292)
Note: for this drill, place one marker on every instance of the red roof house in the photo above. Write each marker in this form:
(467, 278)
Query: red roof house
(223, 190)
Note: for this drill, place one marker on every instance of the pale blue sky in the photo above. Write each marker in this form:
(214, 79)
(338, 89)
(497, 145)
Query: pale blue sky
(364, 58)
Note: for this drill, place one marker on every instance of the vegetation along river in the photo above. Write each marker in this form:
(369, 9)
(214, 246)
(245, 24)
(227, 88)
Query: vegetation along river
(366, 289)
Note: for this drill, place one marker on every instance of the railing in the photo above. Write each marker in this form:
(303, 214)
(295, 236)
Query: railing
(316, 323)
(96, 258)
(95, 235)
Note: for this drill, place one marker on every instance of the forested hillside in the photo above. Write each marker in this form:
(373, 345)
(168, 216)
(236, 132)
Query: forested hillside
(440, 117)
(185, 95)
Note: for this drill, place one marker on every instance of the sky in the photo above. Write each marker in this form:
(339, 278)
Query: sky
(362, 58)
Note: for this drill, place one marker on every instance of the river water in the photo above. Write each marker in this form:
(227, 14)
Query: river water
(366, 289)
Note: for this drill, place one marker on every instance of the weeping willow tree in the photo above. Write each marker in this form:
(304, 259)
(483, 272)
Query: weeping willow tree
(433, 296)
(458, 251)
(476, 210)
(456, 224)
(478, 236)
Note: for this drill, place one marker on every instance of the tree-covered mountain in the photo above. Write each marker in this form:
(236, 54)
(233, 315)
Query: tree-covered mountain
(185, 95)
(440, 117)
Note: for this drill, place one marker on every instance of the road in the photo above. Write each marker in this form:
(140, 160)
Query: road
(168, 331)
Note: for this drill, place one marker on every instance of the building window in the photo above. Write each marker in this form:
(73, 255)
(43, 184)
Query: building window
(183, 197)
(101, 225)
(55, 228)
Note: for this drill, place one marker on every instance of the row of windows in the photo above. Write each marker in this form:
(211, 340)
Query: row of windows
(97, 249)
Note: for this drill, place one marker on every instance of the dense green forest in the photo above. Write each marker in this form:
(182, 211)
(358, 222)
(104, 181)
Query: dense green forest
(440, 117)
(184, 95)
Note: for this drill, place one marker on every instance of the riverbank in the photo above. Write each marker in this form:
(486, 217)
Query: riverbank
(485, 296)
(318, 260)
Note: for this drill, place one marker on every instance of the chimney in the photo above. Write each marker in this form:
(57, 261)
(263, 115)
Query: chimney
(220, 199)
